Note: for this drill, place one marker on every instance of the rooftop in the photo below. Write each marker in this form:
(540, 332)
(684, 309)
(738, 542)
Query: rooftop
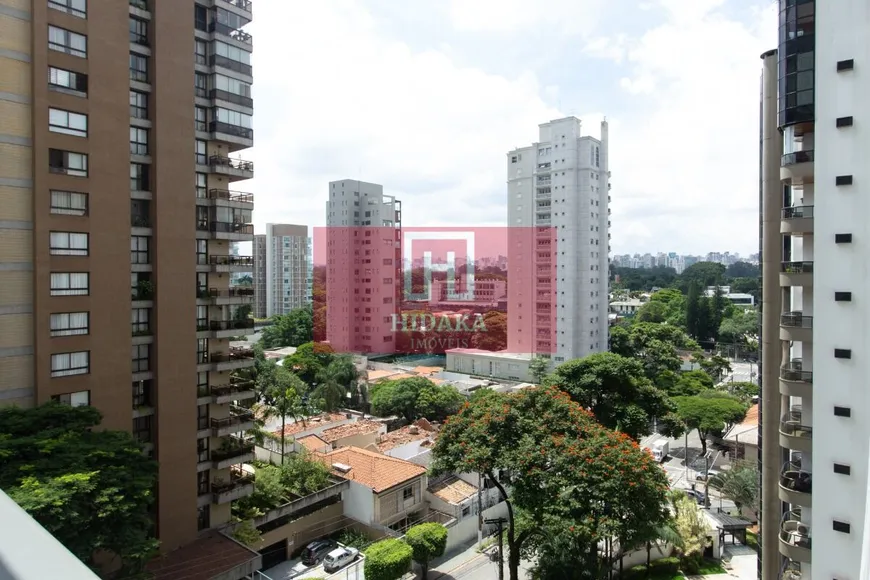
(406, 435)
(374, 470)
(361, 427)
(379, 375)
(202, 559)
(310, 423)
(453, 490)
(428, 370)
(312, 443)
(503, 354)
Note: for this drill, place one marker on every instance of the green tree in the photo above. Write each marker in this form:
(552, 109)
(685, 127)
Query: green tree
(333, 382)
(745, 391)
(654, 345)
(615, 389)
(739, 327)
(308, 360)
(387, 560)
(690, 525)
(746, 286)
(740, 485)
(564, 469)
(246, 280)
(742, 270)
(702, 274)
(415, 397)
(716, 366)
(90, 488)
(285, 393)
(656, 312)
(717, 305)
(243, 312)
(428, 541)
(690, 383)
(694, 311)
(707, 413)
(292, 329)
(539, 366)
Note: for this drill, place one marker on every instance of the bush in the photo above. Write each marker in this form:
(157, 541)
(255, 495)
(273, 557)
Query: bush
(352, 539)
(428, 541)
(387, 560)
(661, 566)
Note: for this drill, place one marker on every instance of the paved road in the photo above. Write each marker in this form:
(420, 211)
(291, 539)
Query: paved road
(743, 372)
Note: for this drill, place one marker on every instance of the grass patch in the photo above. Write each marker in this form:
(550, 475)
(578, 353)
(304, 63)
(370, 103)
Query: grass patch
(752, 541)
(710, 567)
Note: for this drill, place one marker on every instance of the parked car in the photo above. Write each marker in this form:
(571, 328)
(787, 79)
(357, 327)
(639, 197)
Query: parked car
(711, 474)
(698, 496)
(316, 551)
(339, 558)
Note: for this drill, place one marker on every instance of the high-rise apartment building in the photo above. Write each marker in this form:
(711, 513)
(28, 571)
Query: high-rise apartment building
(282, 260)
(98, 98)
(363, 266)
(815, 439)
(559, 190)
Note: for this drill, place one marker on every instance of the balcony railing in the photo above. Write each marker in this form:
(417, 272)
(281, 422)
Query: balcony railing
(238, 164)
(794, 532)
(218, 325)
(793, 478)
(243, 4)
(231, 260)
(796, 320)
(140, 221)
(797, 157)
(238, 416)
(242, 291)
(797, 212)
(234, 65)
(233, 355)
(225, 227)
(791, 571)
(233, 450)
(797, 268)
(793, 371)
(233, 33)
(234, 130)
(791, 425)
(228, 195)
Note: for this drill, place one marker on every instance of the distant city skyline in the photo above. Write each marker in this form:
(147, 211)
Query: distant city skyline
(679, 262)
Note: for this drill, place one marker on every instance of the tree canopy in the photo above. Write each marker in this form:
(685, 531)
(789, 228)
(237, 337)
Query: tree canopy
(309, 359)
(292, 329)
(91, 489)
(415, 397)
(708, 412)
(428, 541)
(388, 559)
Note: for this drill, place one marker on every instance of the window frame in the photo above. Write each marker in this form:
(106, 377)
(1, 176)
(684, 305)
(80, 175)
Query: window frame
(68, 210)
(141, 182)
(138, 31)
(200, 124)
(137, 253)
(71, 370)
(60, 329)
(69, 289)
(65, 158)
(138, 111)
(68, 37)
(55, 75)
(200, 158)
(67, 6)
(139, 363)
(69, 398)
(55, 236)
(139, 75)
(201, 190)
(137, 146)
(140, 321)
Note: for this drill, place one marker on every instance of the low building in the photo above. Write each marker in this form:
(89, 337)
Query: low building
(626, 307)
(362, 433)
(501, 365)
(742, 439)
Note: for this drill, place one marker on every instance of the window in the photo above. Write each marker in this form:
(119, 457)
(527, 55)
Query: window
(235, 119)
(200, 85)
(201, 185)
(75, 7)
(138, 141)
(77, 399)
(141, 321)
(232, 57)
(841, 469)
(138, 68)
(842, 412)
(67, 364)
(202, 417)
(408, 493)
(142, 429)
(200, 116)
(202, 455)
(63, 40)
(138, 105)
(141, 394)
(201, 253)
(66, 79)
(203, 516)
(200, 52)
(139, 250)
(68, 162)
(200, 17)
(70, 283)
(68, 244)
(233, 90)
(201, 156)
(67, 122)
(140, 213)
(69, 323)
(139, 177)
(69, 203)
(141, 355)
(138, 31)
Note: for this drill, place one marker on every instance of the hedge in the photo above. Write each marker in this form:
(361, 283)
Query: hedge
(662, 565)
(387, 560)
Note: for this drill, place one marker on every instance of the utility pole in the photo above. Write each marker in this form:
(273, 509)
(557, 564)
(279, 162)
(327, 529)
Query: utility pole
(500, 523)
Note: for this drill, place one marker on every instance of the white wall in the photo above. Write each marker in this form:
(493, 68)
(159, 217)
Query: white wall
(359, 503)
(841, 33)
(501, 367)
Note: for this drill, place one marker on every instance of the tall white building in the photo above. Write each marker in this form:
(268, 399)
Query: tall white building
(562, 182)
(815, 356)
(282, 269)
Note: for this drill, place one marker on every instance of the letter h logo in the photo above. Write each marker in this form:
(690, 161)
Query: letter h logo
(439, 239)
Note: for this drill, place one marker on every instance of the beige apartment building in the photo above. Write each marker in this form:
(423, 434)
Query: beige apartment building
(282, 270)
(102, 115)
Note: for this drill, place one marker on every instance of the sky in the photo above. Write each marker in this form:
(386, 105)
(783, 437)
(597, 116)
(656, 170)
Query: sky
(427, 97)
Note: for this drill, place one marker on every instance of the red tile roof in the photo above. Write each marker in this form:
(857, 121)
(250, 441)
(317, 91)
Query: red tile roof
(360, 427)
(374, 470)
(312, 443)
(202, 559)
(310, 423)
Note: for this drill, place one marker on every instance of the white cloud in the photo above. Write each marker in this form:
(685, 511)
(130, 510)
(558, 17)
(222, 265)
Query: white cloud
(566, 16)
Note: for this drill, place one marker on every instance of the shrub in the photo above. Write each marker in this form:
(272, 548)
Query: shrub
(428, 541)
(661, 566)
(387, 560)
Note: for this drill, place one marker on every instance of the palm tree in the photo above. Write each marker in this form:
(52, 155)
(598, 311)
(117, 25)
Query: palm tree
(333, 382)
(285, 401)
(666, 533)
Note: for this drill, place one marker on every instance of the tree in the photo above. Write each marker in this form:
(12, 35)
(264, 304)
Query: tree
(246, 280)
(495, 336)
(539, 366)
(415, 397)
(690, 383)
(292, 329)
(284, 392)
(694, 312)
(242, 313)
(90, 488)
(742, 270)
(567, 473)
(308, 360)
(739, 327)
(654, 345)
(428, 541)
(702, 274)
(691, 527)
(740, 485)
(708, 413)
(715, 366)
(645, 278)
(743, 390)
(656, 312)
(334, 381)
(615, 389)
(387, 560)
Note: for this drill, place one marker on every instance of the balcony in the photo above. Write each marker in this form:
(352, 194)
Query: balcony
(232, 169)
(793, 434)
(791, 570)
(795, 326)
(236, 390)
(217, 60)
(794, 381)
(234, 33)
(240, 4)
(795, 485)
(225, 328)
(239, 420)
(235, 488)
(241, 100)
(223, 264)
(241, 137)
(298, 504)
(232, 231)
(229, 297)
(222, 362)
(795, 541)
(796, 274)
(797, 166)
(797, 220)
(232, 452)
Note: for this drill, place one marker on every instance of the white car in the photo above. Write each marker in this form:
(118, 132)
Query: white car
(711, 474)
(339, 558)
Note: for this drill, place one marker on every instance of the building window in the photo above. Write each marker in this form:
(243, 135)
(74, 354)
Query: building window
(142, 394)
(200, 52)
(66, 79)
(138, 31)
(69, 203)
(200, 117)
(142, 429)
(70, 284)
(201, 252)
(139, 253)
(200, 85)
(77, 8)
(201, 185)
(408, 493)
(200, 17)
(141, 321)
(138, 141)
(141, 355)
(66, 364)
(201, 350)
(138, 105)
(203, 516)
(236, 120)
(68, 162)
(139, 177)
(201, 155)
(138, 68)
(68, 244)
(202, 417)
(232, 57)
(77, 399)
(233, 90)
(69, 323)
(63, 40)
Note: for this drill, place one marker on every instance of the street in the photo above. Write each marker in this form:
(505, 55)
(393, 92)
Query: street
(742, 372)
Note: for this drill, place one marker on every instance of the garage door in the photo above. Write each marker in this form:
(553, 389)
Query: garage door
(274, 554)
